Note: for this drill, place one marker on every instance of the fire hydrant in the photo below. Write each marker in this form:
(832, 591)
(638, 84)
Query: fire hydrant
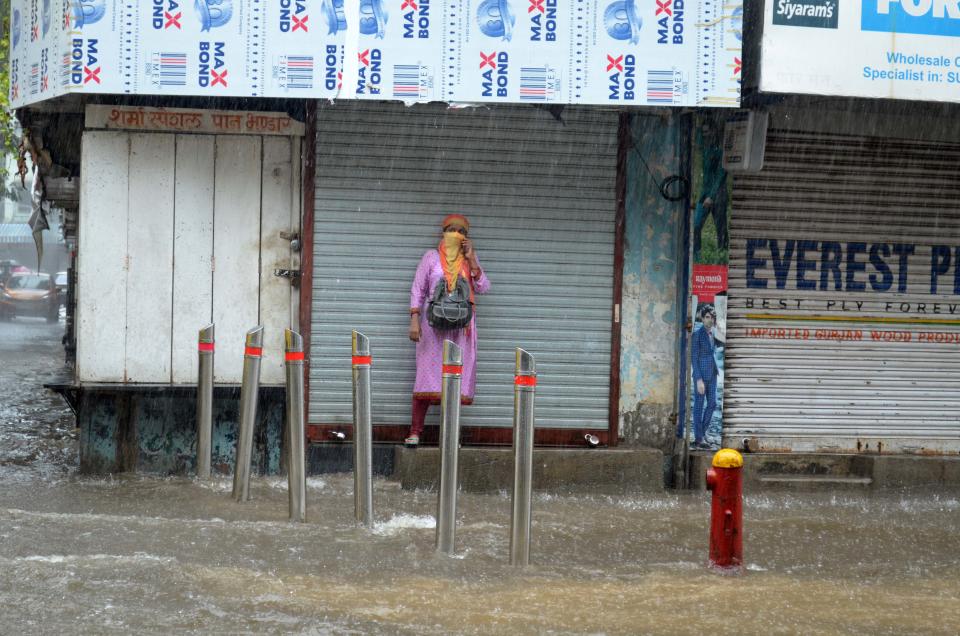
(725, 480)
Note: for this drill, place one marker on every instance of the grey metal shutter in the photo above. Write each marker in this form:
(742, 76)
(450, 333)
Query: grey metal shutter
(540, 195)
(882, 375)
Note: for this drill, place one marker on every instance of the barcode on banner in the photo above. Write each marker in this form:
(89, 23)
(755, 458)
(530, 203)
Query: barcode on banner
(168, 69)
(295, 72)
(537, 83)
(410, 81)
(65, 71)
(660, 87)
(34, 78)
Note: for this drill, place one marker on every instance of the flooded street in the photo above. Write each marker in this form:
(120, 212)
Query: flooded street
(129, 554)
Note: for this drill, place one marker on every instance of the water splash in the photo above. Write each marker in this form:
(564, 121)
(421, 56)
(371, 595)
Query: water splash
(398, 523)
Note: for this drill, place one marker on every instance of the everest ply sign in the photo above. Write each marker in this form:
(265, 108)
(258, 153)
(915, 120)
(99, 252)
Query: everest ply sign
(640, 52)
(901, 49)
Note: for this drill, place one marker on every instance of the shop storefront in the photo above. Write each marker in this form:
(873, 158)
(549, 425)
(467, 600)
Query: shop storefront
(844, 292)
(207, 216)
(541, 194)
(844, 313)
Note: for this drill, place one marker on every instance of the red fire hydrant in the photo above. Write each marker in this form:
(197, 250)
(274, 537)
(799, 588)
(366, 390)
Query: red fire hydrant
(725, 479)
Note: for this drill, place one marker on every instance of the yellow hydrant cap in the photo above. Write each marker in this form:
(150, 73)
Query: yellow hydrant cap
(727, 458)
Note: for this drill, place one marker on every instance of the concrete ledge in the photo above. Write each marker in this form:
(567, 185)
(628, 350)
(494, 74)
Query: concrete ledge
(816, 483)
(484, 469)
(903, 471)
(826, 472)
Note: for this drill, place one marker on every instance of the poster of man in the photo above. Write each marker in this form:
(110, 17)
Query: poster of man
(707, 372)
(708, 302)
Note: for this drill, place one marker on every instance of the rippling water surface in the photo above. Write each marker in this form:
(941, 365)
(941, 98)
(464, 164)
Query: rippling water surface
(153, 555)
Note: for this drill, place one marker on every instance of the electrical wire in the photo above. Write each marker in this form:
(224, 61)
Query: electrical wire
(669, 182)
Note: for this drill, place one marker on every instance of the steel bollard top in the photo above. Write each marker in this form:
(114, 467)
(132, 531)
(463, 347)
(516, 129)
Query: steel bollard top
(292, 341)
(526, 365)
(254, 344)
(727, 458)
(293, 347)
(452, 354)
(361, 344)
(206, 334)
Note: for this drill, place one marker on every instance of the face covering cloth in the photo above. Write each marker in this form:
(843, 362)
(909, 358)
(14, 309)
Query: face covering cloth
(451, 257)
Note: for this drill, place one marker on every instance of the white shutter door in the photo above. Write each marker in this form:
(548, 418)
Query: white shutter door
(540, 195)
(860, 352)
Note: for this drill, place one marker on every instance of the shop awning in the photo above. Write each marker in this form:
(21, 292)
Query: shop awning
(15, 233)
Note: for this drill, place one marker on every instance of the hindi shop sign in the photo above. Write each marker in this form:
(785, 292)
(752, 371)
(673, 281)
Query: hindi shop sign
(612, 52)
(899, 49)
(186, 120)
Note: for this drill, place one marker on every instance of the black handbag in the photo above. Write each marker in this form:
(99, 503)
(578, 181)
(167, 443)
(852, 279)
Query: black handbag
(447, 311)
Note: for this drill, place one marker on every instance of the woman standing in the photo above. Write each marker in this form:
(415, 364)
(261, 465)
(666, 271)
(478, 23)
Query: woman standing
(454, 258)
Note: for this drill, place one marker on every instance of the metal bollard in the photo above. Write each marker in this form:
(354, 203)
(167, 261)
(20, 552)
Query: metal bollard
(725, 480)
(524, 388)
(449, 446)
(204, 401)
(296, 471)
(362, 431)
(249, 391)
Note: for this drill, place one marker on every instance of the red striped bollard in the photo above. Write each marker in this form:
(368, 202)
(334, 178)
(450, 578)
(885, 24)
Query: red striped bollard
(296, 460)
(362, 430)
(249, 390)
(524, 389)
(204, 401)
(725, 480)
(452, 372)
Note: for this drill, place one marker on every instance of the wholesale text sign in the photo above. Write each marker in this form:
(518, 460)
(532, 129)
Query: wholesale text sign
(899, 49)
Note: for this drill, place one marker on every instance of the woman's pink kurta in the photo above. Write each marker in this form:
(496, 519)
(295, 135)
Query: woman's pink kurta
(430, 348)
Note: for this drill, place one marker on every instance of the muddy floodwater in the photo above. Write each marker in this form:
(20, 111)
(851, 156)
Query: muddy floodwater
(155, 555)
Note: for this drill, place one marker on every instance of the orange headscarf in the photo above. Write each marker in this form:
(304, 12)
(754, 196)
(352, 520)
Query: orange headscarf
(451, 254)
(455, 219)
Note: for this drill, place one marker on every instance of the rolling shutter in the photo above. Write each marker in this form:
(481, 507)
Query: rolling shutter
(540, 195)
(857, 353)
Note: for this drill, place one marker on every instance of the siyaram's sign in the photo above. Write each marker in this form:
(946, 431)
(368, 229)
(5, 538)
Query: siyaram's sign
(823, 14)
(186, 120)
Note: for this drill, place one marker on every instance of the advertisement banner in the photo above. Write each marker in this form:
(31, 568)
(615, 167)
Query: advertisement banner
(708, 281)
(899, 49)
(40, 64)
(194, 48)
(640, 52)
(708, 291)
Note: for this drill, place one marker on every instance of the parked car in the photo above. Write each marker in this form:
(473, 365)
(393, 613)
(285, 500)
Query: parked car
(30, 295)
(8, 266)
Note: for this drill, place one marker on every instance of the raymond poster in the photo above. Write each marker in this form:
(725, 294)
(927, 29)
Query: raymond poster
(708, 302)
